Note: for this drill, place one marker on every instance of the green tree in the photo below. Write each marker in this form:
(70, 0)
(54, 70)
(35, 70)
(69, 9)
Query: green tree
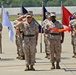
(70, 2)
(6, 3)
(36, 3)
(31, 3)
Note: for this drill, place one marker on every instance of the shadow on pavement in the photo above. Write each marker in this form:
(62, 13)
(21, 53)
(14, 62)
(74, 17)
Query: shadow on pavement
(65, 58)
(70, 69)
(42, 62)
(7, 59)
(50, 69)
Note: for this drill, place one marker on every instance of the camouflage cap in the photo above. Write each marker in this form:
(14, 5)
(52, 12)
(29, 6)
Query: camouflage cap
(28, 14)
(74, 14)
(31, 12)
(47, 13)
(53, 14)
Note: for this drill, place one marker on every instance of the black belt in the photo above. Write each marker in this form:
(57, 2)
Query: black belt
(29, 35)
(21, 31)
(55, 33)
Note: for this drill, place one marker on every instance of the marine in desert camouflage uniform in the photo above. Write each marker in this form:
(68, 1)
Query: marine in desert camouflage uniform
(30, 41)
(19, 39)
(47, 21)
(72, 24)
(55, 39)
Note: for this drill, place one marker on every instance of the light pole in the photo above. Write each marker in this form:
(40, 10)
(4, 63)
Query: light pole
(1, 33)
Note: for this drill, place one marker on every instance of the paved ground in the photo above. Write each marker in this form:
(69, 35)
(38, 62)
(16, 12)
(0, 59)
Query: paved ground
(9, 65)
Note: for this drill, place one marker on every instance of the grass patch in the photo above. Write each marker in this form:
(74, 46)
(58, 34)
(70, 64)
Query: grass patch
(58, 18)
(37, 17)
(12, 17)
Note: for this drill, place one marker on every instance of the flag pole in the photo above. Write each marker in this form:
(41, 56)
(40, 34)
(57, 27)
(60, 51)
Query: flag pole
(61, 11)
(41, 33)
(1, 32)
(20, 6)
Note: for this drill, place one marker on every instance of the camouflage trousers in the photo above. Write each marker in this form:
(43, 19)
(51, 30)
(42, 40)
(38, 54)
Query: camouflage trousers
(73, 42)
(47, 47)
(30, 52)
(55, 50)
(19, 46)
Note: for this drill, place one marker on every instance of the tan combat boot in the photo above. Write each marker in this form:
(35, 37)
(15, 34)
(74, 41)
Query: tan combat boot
(46, 56)
(22, 58)
(74, 56)
(57, 65)
(31, 68)
(27, 68)
(53, 66)
(49, 57)
(18, 57)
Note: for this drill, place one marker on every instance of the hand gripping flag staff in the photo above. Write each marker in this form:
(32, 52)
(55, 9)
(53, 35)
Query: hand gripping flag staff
(6, 22)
